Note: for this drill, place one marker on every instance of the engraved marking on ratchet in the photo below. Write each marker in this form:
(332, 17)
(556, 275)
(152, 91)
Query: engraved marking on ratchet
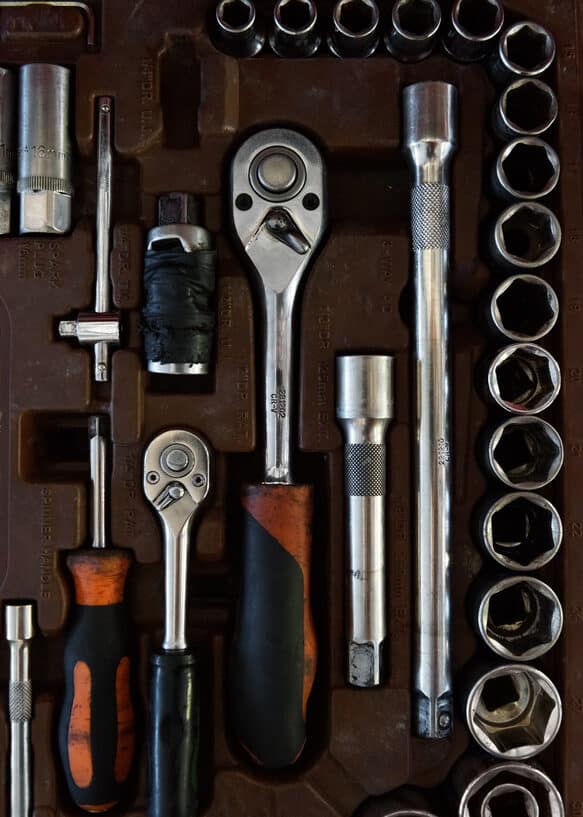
(279, 402)
(430, 216)
(443, 451)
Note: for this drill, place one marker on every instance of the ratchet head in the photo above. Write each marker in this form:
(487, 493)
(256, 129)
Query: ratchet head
(176, 476)
(278, 202)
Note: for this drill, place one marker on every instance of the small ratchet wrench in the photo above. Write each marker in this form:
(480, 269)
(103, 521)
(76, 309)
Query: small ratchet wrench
(278, 205)
(176, 481)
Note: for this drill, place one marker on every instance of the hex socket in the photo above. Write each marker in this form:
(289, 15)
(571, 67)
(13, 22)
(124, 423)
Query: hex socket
(523, 378)
(405, 802)
(483, 787)
(527, 168)
(295, 28)
(237, 29)
(526, 236)
(45, 185)
(519, 618)
(413, 30)
(507, 316)
(526, 49)
(354, 29)
(527, 107)
(473, 28)
(525, 453)
(513, 711)
(522, 531)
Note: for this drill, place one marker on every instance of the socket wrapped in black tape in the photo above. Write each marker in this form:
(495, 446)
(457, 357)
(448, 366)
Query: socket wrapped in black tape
(178, 318)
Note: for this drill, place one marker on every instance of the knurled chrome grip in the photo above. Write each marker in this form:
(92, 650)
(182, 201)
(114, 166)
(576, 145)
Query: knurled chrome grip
(365, 469)
(20, 701)
(430, 217)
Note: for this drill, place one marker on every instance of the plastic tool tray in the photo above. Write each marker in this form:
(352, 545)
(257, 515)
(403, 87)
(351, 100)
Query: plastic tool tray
(181, 108)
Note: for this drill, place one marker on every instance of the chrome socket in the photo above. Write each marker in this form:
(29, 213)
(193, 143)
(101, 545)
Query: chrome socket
(473, 28)
(295, 28)
(414, 28)
(513, 711)
(355, 28)
(525, 453)
(486, 788)
(527, 235)
(7, 147)
(524, 50)
(522, 531)
(507, 314)
(528, 107)
(523, 378)
(520, 618)
(528, 168)
(237, 29)
(45, 184)
(405, 802)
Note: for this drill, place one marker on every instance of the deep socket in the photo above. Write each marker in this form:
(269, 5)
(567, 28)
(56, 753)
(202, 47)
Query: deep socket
(473, 28)
(354, 29)
(528, 107)
(520, 618)
(506, 312)
(413, 31)
(527, 168)
(483, 787)
(525, 453)
(513, 711)
(524, 50)
(523, 378)
(522, 531)
(45, 185)
(7, 147)
(525, 236)
(364, 409)
(237, 29)
(430, 141)
(295, 28)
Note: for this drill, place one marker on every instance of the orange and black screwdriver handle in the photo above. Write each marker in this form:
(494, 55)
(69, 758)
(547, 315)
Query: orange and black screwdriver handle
(96, 727)
(273, 654)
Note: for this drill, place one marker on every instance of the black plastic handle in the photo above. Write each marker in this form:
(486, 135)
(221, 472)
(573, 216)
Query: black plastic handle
(273, 655)
(174, 715)
(96, 727)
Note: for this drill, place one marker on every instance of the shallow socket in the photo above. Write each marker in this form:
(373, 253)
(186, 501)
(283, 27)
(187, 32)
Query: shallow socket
(474, 26)
(527, 107)
(523, 308)
(527, 235)
(414, 28)
(523, 378)
(522, 531)
(527, 168)
(513, 711)
(520, 618)
(524, 50)
(525, 453)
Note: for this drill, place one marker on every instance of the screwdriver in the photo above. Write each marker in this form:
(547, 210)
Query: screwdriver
(279, 212)
(96, 728)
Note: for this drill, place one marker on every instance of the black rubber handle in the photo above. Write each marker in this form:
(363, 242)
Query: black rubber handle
(273, 655)
(96, 727)
(174, 715)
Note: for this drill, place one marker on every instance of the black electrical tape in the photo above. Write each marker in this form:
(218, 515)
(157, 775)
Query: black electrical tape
(178, 318)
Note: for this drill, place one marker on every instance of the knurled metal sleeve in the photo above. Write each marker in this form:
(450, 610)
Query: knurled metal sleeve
(365, 469)
(430, 216)
(20, 701)
(51, 184)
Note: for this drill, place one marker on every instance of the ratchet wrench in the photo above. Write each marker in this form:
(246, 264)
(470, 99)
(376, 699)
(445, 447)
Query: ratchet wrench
(278, 204)
(176, 481)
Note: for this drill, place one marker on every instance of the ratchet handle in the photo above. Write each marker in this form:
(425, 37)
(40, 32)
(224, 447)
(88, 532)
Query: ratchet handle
(96, 728)
(273, 656)
(174, 715)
